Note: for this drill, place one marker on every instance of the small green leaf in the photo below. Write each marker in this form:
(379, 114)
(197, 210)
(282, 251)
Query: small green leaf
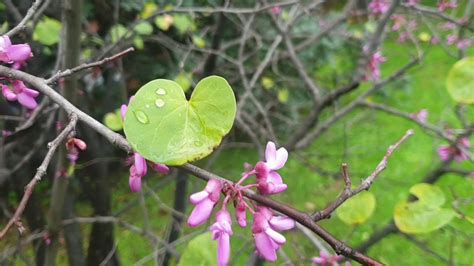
(184, 80)
(184, 23)
(164, 22)
(148, 10)
(165, 128)
(143, 28)
(118, 32)
(4, 27)
(113, 120)
(267, 83)
(460, 81)
(199, 42)
(358, 209)
(138, 43)
(425, 214)
(201, 251)
(47, 31)
(283, 95)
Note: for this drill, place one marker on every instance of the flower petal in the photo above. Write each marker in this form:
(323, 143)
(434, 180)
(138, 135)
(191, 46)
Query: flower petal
(223, 249)
(280, 159)
(135, 183)
(8, 94)
(275, 236)
(140, 164)
(19, 52)
(265, 247)
(201, 213)
(270, 152)
(282, 223)
(198, 197)
(27, 101)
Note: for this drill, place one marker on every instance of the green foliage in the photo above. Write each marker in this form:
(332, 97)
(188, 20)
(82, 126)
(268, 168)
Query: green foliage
(201, 251)
(47, 31)
(283, 95)
(113, 120)
(118, 32)
(164, 22)
(166, 128)
(185, 80)
(199, 42)
(267, 83)
(460, 81)
(425, 214)
(183, 23)
(143, 28)
(358, 209)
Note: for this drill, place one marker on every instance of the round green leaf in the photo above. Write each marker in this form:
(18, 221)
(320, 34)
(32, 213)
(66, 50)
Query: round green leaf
(164, 22)
(201, 251)
(358, 209)
(164, 127)
(143, 28)
(113, 121)
(47, 31)
(425, 214)
(460, 81)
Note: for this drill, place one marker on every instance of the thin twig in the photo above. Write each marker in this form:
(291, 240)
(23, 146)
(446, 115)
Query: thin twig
(41, 171)
(22, 25)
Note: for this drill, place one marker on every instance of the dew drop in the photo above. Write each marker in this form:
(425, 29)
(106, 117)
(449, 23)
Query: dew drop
(198, 143)
(159, 103)
(141, 117)
(161, 91)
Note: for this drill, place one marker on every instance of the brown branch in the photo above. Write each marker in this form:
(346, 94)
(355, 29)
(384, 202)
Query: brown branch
(22, 25)
(365, 185)
(68, 72)
(40, 172)
(122, 143)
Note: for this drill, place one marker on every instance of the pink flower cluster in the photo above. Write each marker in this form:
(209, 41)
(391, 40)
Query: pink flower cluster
(443, 5)
(326, 259)
(17, 54)
(447, 152)
(266, 226)
(379, 6)
(73, 146)
(138, 168)
(374, 66)
(420, 116)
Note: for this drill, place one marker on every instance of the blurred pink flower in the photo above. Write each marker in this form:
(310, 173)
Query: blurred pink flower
(446, 152)
(73, 145)
(374, 66)
(241, 213)
(452, 39)
(13, 53)
(204, 201)
(326, 259)
(137, 171)
(379, 6)
(420, 116)
(25, 96)
(398, 22)
(276, 10)
(443, 5)
(412, 2)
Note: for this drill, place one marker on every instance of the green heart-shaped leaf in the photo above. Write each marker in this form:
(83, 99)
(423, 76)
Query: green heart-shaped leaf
(358, 209)
(460, 81)
(201, 251)
(425, 214)
(164, 127)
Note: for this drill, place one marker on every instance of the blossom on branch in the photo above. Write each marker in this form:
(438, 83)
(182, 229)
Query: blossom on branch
(221, 231)
(204, 201)
(326, 259)
(379, 6)
(19, 92)
(16, 53)
(447, 152)
(269, 181)
(73, 145)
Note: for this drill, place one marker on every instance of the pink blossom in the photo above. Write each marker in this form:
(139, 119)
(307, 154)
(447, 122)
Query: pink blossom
(13, 53)
(412, 2)
(6, 133)
(269, 181)
(403, 37)
(221, 231)
(398, 22)
(240, 213)
(205, 201)
(434, 40)
(443, 5)
(25, 96)
(161, 168)
(452, 39)
(374, 66)
(463, 44)
(379, 6)
(448, 26)
(420, 116)
(326, 259)
(267, 239)
(137, 171)
(447, 152)
(276, 10)
(73, 145)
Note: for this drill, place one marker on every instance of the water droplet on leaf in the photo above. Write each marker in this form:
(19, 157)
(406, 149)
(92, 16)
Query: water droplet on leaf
(141, 117)
(161, 91)
(159, 103)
